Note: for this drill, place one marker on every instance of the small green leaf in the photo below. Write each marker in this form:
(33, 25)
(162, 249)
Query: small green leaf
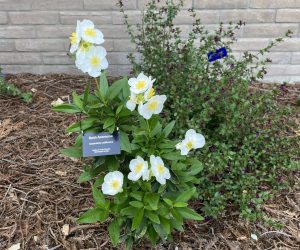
(99, 198)
(137, 219)
(114, 232)
(185, 196)
(152, 235)
(152, 199)
(109, 122)
(181, 204)
(77, 101)
(85, 176)
(129, 211)
(168, 129)
(153, 217)
(103, 84)
(125, 143)
(74, 152)
(136, 204)
(166, 225)
(86, 94)
(67, 108)
(92, 216)
(188, 213)
(116, 88)
(173, 156)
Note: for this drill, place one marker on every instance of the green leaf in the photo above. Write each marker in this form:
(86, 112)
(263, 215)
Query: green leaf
(152, 199)
(86, 94)
(156, 130)
(67, 108)
(85, 176)
(116, 88)
(93, 215)
(74, 152)
(173, 156)
(125, 143)
(114, 232)
(112, 163)
(136, 204)
(85, 124)
(109, 122)
(168, 129)
(129, 211)
(165, 224)
(181, 204)
(77, 101)
(137, 219)
(189, 214)
(186, 196)
(152, 235)
(103, 84)
(98, 198)
(152, 216)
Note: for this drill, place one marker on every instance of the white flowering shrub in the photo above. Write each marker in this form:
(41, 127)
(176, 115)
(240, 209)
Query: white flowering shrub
(144, 191)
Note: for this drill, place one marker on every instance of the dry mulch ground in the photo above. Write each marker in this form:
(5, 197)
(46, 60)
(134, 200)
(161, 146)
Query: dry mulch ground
(40, 199)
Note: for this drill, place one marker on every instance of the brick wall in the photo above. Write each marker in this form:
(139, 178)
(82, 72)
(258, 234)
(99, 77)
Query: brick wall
(34, 33)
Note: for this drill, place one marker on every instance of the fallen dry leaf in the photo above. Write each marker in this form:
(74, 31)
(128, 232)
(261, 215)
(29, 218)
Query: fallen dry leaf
(15, 247)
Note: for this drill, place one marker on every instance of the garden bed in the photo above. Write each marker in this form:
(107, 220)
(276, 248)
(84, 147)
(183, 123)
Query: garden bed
(39, 195)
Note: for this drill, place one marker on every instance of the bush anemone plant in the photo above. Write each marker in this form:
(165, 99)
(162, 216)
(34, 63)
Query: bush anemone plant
(144, 191)
(248, 152)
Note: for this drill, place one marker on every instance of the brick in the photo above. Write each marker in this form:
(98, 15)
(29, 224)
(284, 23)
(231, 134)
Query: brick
(207, 17)
(15, 5)
(124, 45)
(20, 58)
(269, 30)
(17, 32)
(55, 31)
(283, 70)
(57, 58)
(108, 5)
(7, 45)
(57, 5)
(114, 31)
(280, 79)
(276, 57)
(245, 44)
(288, 15)
(211, 28)
(275, 3)
(248, 16)
(34, 17)
(186, 4)
(3, 18)
(296, 58)
(218, 4)
(290, 45)
(41, 69)
(98, 17)
(51, 45)
(119, 70)
(118, 58)
(134, 17)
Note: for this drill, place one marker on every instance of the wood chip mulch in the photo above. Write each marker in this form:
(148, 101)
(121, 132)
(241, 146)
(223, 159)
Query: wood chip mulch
(40, 199)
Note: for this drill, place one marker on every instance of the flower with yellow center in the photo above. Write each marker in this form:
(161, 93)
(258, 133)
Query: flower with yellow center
(159, 170)
(138, 168)
(113, 183)
(90, 34)
(140, 84)
(153, 106)
(95, 61)
(75, 38)
(192, 140)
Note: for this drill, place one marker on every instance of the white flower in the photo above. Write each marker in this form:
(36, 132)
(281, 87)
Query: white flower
(90, 34)
(192, 140)
(138, 168)
(153, 106)
(178, 145)
(140, 84)
(75, 38)
(57, 102)
(159, 170)
(94, 61)
(150, 92)
(113, 183)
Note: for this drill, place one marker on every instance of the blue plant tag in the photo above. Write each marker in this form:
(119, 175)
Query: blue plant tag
(220, 53)
(100, 144)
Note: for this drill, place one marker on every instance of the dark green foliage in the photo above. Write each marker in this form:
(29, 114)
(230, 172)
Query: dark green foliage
(250, 144)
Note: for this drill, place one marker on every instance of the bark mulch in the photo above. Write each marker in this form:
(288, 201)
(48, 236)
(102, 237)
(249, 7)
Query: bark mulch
(40, 199)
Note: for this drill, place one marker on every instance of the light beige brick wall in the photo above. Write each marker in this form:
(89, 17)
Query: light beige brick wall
(34, 33)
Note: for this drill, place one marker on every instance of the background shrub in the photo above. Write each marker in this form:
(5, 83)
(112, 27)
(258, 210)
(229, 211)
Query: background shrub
(251, 145)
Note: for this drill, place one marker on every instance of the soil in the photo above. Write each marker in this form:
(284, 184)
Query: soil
(40, 198)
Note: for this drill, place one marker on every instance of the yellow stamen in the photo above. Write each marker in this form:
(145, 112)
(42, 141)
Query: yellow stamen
(153, 105)
(85, 46)
(140, 85)
(138, 167)
(73, 38)
(190, 145)
(90, 32)
(160, 168)
(115, 184)
(95, 61)
(140, 98)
